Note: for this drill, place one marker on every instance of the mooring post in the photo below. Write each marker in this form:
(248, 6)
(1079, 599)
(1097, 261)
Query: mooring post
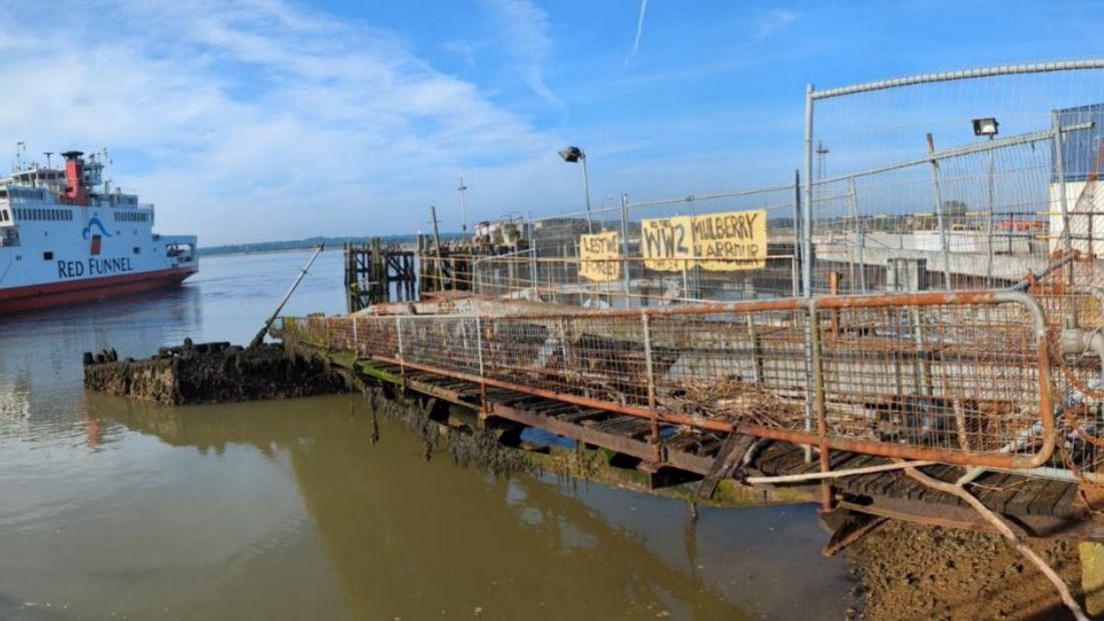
(380, 286)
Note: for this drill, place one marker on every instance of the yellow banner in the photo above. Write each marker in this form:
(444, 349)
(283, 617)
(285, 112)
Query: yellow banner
(737, 237)
(728, 241)
(600, 256)
(667, 243)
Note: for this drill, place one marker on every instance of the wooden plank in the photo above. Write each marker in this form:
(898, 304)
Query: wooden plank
(732, 450)
(791, 461)
(1021, 502)
(881, 486)
(1068, 504)
(853, 484)
(994, 490)
(1048, 496)
(777, 454)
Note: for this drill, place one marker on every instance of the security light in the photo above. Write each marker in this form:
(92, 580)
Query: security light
(985, 127)
(572, 154)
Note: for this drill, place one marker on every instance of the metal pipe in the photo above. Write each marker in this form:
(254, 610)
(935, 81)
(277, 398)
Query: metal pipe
(706, 197)
(627, 279)
(989, 222)
(966, 74)
(796, 269)
(941, 217)
(862, 237)
(259, 337)
(969, 149)
(807, 261)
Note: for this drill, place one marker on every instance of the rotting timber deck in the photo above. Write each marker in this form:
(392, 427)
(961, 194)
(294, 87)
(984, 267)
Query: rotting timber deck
(1034, 506)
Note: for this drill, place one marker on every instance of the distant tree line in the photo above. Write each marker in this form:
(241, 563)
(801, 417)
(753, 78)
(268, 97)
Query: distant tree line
(311, 242)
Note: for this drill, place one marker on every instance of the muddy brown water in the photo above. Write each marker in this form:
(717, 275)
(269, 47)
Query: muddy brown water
(284, 510)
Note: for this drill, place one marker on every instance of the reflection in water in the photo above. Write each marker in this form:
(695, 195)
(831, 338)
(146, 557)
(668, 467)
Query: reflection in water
(412, 539)
(284, 510)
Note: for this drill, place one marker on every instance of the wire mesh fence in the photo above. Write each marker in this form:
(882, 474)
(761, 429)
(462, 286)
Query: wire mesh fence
(957, 180)
(933, 376)
(716, 247)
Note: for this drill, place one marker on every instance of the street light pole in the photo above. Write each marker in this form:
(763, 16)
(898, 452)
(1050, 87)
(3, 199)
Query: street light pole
(573, 155)
(988, 126)
(586, 192)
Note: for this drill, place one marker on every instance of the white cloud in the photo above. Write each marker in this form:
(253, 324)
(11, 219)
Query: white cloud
(464, 49)
(251, 119)
(524, 31)
(771, 22)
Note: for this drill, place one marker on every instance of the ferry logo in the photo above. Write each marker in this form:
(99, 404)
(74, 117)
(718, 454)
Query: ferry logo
(94, 222)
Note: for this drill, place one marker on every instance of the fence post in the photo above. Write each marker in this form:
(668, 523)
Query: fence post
(807, 260)
(941, 218)
(479, 344)
(625, 246)
(1060, 174)
(796, 269)
(807, 207)
(399, 338)
(649, 372)
(820, 404)
(356, 341)
(861, 231)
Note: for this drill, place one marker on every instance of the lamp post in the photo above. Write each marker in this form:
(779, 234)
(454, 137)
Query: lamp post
(573, 155)
(988, 126)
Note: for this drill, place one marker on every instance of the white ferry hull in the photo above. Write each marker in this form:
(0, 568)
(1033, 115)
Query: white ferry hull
(33, 297)
(61, 243)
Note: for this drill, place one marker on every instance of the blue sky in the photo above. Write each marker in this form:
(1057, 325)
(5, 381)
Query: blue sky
(274, 119)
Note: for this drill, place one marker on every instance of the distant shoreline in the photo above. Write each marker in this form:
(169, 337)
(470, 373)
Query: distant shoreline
(308, 243)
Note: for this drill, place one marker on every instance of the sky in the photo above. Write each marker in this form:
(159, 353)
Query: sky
(254, 120)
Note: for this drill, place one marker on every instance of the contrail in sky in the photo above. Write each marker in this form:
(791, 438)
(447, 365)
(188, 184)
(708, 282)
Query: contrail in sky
(639, 30)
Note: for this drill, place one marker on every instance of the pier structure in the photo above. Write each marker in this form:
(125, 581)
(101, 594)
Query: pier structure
(374, 275)
(918, 338)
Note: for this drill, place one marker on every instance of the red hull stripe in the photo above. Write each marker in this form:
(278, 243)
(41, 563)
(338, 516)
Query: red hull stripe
(42, 296)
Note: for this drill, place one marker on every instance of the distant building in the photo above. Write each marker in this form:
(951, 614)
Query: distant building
(1081, 156)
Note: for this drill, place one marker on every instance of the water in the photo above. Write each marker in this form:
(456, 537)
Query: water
(283, 510)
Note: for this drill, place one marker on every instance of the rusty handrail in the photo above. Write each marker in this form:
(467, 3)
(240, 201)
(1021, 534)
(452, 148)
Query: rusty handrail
(1042, 430)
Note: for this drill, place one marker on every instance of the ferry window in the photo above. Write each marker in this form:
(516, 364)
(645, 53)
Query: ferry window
(137, 250)
(48, 256)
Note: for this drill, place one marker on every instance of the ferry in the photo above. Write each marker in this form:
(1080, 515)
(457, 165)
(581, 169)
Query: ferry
(66, 236)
